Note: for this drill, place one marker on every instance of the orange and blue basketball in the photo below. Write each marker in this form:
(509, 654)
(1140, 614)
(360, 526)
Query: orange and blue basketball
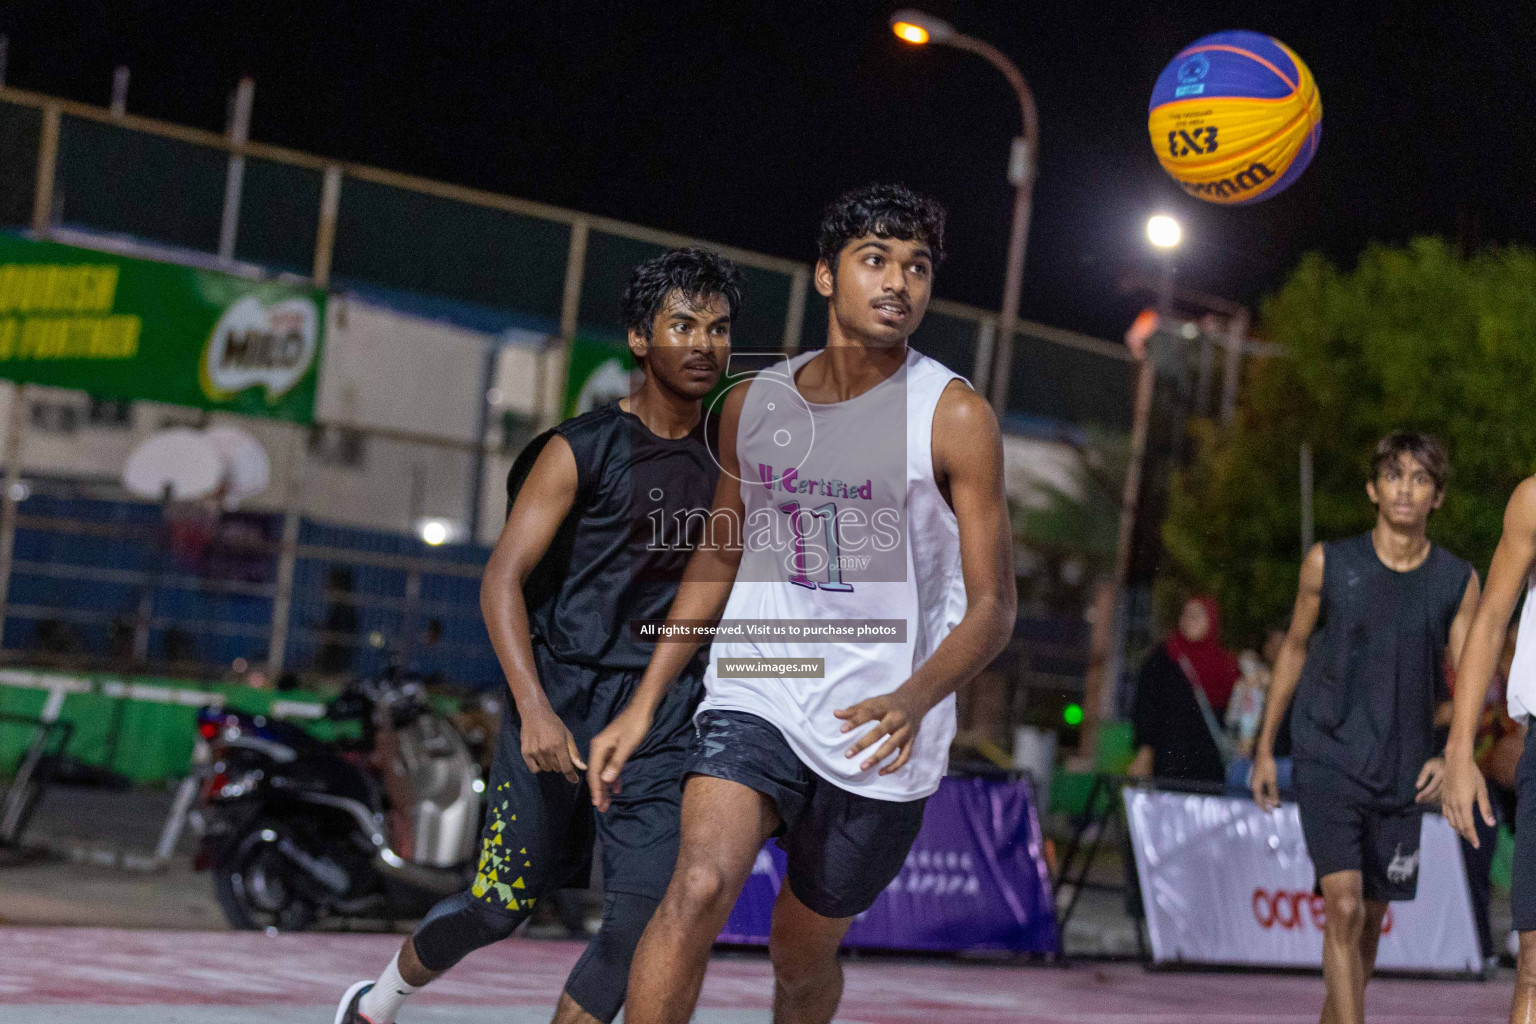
(1235, 117)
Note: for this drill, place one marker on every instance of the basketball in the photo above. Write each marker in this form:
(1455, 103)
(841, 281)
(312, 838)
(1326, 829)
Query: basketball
(1235, 117)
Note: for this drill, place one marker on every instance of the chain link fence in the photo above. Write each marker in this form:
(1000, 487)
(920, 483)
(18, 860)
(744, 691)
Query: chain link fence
(325, 573)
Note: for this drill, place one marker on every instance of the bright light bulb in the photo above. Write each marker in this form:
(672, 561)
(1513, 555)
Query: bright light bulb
(908, 32)
(1163, 231)
(434, 532)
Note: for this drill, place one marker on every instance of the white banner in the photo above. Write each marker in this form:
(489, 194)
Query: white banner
(1225, 883)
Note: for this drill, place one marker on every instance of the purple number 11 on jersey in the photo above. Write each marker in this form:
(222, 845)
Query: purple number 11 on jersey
(797, 563)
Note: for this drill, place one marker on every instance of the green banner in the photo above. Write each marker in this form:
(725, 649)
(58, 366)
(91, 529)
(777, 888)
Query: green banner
(141, 726)
(596, 373)
(120, 327)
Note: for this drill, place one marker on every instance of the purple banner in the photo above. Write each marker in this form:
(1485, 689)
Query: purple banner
(974, 880)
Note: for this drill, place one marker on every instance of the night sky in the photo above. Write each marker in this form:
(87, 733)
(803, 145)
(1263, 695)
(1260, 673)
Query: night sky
(737, 122)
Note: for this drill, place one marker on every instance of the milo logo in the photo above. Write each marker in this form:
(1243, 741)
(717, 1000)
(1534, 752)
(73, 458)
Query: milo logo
(1255, 175)
(255, 345)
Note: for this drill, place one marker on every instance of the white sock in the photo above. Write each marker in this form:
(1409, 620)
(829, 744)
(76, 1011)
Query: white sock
(380, 1003)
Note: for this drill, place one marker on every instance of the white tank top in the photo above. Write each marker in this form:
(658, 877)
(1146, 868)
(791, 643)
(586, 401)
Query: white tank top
(851, 526)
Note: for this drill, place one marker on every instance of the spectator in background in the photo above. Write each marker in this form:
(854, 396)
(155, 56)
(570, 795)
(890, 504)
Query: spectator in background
(191, 528)
(1184, 686)
(1245, 711)
(1245, 717)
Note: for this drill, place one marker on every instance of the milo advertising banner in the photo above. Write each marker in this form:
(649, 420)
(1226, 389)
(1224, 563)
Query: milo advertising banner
(120, 327)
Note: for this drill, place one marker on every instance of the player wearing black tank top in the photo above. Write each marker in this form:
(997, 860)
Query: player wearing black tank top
(579, 557)
(1390, 610)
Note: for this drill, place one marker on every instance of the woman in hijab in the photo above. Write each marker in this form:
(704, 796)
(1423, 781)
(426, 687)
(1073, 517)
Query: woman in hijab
(1180, 696)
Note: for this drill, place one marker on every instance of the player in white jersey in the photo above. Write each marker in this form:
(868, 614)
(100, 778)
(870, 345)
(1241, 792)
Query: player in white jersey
(1465, 793)
(863, 482)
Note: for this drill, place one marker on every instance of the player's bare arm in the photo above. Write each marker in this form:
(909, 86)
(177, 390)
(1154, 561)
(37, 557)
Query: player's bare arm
(701, 597)
(1461, 625)
(542, 504)
(1431, 781)
(1464, 792)
(1287, 673)
(968, 463)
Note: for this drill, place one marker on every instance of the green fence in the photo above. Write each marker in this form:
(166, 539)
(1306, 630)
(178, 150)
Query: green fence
(142, 727)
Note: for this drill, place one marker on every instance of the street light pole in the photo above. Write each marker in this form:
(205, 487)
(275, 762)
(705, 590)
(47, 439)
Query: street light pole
(1106, 651)
(918, 28)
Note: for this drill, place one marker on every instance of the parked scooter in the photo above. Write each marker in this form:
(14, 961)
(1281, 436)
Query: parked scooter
(295, 829)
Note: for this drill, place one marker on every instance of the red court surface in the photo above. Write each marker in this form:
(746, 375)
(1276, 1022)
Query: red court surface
(64, 976)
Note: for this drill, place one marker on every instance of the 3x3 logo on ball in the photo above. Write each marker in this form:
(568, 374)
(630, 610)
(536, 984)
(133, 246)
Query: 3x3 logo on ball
(1201, 140)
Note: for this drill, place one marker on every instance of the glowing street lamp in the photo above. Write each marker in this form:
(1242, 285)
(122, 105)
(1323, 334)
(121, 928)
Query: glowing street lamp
(435, 531)
(920, 28)
(1163, 231)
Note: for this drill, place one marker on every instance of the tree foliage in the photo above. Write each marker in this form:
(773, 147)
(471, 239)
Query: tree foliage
(1064, 537)
(1083, 518)
(1413, 338)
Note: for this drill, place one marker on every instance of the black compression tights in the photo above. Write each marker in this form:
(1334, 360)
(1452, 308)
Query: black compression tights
(599, 979)
(458, 926)
(461, 924)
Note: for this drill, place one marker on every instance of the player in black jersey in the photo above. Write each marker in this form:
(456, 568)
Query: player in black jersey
(1390, 610)
(579, 558)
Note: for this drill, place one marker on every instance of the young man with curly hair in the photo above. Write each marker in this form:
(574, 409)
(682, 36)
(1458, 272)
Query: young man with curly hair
(868, 480)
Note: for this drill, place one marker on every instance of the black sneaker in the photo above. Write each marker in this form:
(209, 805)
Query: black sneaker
(347, 1012)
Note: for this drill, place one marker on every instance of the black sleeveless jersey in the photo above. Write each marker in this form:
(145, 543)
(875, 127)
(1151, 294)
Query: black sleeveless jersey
(640, 509)
(1376, 667)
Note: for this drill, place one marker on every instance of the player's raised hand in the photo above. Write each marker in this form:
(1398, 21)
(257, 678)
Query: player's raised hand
(611, 748)
(1265, 781)
(548, 746)
(896, 719)
(1463, 795)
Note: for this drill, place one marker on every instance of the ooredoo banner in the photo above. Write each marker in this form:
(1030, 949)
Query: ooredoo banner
(1227, 883)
